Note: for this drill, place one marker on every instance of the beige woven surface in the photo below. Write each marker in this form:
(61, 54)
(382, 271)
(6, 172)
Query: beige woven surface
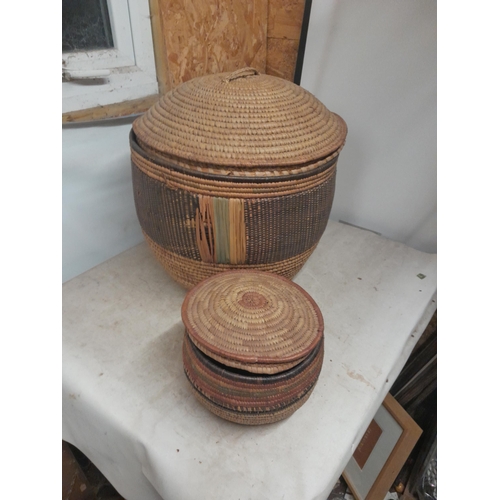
(230, 189)
(188, 272)
(252, 317)
(241, 119)
(250, 418)
(155, 163)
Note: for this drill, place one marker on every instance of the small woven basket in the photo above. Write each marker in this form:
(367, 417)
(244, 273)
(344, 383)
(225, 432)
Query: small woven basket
(253, 348)
(235, 171)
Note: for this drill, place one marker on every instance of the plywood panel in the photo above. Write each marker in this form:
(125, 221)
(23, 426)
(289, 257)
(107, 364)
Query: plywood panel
(203, 37)
(284, 24)
(281, 57)
(158, 30)
(285, 18)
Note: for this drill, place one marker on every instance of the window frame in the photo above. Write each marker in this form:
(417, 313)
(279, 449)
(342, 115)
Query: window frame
(131, 64)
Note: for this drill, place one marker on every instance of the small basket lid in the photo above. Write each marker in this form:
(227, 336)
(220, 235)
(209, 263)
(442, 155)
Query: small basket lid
(253, 318)
(241, 119)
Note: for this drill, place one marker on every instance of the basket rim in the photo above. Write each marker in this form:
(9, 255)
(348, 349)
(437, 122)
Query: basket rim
(239, 375)
(165, 163)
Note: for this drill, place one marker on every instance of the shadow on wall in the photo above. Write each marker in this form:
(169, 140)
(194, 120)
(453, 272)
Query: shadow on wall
(99, 218)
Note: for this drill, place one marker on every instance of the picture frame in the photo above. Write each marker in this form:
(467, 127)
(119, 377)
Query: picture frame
(382, 451)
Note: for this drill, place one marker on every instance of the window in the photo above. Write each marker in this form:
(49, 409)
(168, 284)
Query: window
(107, 53)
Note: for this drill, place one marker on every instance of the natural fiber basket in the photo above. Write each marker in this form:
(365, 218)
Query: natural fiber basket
(235, 171)
(253, 348)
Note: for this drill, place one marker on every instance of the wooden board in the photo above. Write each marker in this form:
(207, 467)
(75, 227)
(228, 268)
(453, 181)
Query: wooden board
(117, 110)
(284, 24)
(281, 57)
(285, 19)
(203, 37)
(157, 30)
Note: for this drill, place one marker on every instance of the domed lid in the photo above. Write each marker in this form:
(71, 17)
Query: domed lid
(241, 119)
(252, 317)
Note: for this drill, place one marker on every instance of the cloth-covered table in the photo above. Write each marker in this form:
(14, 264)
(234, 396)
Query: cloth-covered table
(127, 403)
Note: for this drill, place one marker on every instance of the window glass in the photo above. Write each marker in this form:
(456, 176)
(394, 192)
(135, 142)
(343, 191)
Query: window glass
(85, 25)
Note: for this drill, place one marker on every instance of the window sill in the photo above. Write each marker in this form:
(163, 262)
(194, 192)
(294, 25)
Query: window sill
(117, 110)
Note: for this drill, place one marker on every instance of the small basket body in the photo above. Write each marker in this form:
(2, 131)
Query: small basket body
(235, 172)
(254, 345)
(245, 397)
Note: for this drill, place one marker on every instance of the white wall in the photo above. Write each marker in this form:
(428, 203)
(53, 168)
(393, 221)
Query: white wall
(99, 218)
(374, 63)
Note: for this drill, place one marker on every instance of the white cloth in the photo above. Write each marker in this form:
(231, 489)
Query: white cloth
(127, 403)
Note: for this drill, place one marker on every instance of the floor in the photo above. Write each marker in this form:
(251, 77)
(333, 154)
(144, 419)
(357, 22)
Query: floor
(342, 492)
(82, 480)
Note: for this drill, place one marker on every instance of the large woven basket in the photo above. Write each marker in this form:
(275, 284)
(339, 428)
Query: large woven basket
(253, 348)
(235, 171)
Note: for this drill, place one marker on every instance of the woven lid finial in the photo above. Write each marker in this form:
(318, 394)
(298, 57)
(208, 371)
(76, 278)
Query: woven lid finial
(241, 73)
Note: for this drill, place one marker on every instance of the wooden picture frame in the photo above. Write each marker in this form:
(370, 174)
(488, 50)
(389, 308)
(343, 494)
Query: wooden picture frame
(382, 451)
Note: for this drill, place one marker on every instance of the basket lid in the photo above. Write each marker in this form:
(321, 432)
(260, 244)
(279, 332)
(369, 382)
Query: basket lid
(241, 119)
(252, 317)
